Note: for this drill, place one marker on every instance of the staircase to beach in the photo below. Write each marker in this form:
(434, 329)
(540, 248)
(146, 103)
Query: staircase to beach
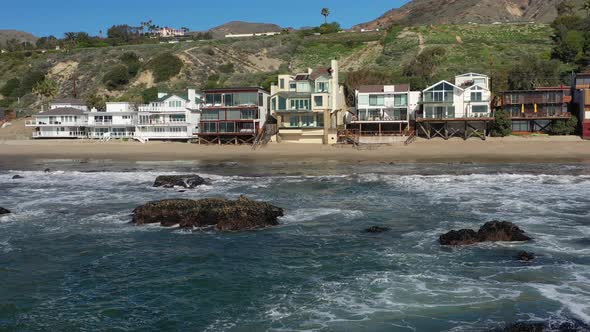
(265, 135)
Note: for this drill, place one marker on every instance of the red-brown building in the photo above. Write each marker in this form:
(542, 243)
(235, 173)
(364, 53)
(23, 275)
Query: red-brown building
(582, 102)
(233, 115)
(536, 110)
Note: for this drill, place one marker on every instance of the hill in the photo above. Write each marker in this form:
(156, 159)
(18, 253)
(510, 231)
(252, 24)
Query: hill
(423, 12)
(239, 27)
(257, 61)
(21, 36)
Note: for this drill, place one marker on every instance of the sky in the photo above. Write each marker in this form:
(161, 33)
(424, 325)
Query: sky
(45, 17)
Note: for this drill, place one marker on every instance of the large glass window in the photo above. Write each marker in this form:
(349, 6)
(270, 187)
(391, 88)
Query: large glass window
(363, 100)
(282, 103)
(319, 101)
(209, 127)
(307, 121)
(378, 100)
(248, 114)
(210, 115)
(479, 109)
(322, 87)
(440, 93)
(294, 121)
(303, 87)
(400, 100)
(175, 103)
(233, 114)
(300, 104)
(320, 120)
(227, 127)
(177, 118)
(476, 96)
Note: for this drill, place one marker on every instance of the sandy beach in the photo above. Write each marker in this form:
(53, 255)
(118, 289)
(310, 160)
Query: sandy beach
(494, 150)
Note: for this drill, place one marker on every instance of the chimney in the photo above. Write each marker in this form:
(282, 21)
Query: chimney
(335, 85)
(192, 96)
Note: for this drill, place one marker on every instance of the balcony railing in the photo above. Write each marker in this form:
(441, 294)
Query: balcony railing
(37, 123)
(163, 123)
(143, 134)
(59, 134)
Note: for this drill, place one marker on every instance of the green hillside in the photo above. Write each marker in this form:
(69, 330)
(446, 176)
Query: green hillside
(255, 61)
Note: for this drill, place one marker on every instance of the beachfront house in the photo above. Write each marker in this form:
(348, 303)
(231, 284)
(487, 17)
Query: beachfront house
(309, 106)
(170, 117)
(117, 121)
(233, 115)
(65, 118)
(462, 109)
(582, 102)
(383, 112)
(536, 110)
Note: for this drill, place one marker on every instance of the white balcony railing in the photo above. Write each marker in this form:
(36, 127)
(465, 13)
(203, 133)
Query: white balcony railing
(163, 123)
(59, 134)
(149, 135)
(37, 123)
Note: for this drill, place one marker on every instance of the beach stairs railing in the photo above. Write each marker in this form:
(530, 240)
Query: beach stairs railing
(140, 139)
(105, 138)
(350, 137)
(265, 135)
(411, 138)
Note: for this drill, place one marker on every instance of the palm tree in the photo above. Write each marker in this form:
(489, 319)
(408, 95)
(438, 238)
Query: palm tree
(325, 14)
(586, 7)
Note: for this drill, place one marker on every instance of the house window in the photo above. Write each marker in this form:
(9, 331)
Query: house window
(213, 99)
(126, 117)
(322, 86)
(282, 103)
(300, 104)
(512, 98)
(227, 127)
(476, 96)
(363, 100)
(479, 109)
(282, 83)
(248, 114)
(274, 104)
(307, 121)
(320, 120)
(210, 115)
(175, 103)
(234, 114)
(209, 127)
(400, 100)
(303, 87)
(293, 86)
(319, 101)
(376, 100)
(177, 118)
(294, 121)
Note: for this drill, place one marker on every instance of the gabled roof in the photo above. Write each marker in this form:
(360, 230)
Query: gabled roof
(319, 72)
(443, 81)
(471, 75)
(476, 85)
(63, 111)
(166, 97)
(69, 101)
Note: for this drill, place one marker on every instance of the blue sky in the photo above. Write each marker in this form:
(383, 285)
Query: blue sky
(45, 17)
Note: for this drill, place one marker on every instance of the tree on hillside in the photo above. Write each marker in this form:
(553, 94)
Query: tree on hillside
(325, 14)
(502, 125)
(46, 89)
(424, 65)
(566, 8)
(533, 72)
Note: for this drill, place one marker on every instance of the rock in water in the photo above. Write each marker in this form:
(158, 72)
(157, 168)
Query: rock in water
(184, 181)
(525, 327)
(376, 229)
(16, 177)
(3, 211)
(492, 231)
(459, 238)
(501, 231)
(550, 326)
(525, 256)
(225, 215)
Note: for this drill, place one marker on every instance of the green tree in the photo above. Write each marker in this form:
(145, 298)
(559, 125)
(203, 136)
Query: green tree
(325, 14)
(425, 64)
(29, 81)
(10, 87)
(165, 66)
(531, 72)
(149, 95)
(561, 127)
(116, 78)
(96, 101)
(46, 89)
(566, 7)
(502, 125)
(131, 60)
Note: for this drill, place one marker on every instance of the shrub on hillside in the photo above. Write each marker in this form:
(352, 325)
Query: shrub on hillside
(131, 60)
(29, 81)
(10, 87)
(149, 95)
(227, 68)
(116, 78)
(165, 66)
(502, 125)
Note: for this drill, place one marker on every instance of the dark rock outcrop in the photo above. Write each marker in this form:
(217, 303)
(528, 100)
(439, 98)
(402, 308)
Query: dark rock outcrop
(184, 181)
(16, 177)
(551, 326)
(3, 211)
(47, 170)
(492, 231)
(376, 229)
(223, 214)
(525, 256)
(525, 327)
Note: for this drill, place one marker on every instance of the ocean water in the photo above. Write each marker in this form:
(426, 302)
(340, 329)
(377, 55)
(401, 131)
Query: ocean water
(70, 260)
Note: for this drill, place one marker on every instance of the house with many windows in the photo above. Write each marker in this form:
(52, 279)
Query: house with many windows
(233, 115)
(65, 118)
(309, 106)
(383, 112)
(117, 121)
(536, 110)
(582, 102)
(170, 117)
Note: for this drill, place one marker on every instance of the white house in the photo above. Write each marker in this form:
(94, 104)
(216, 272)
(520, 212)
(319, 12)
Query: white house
(169, 117)
(170, 32)
(117, 121)
(66, 118)
(384, 110)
